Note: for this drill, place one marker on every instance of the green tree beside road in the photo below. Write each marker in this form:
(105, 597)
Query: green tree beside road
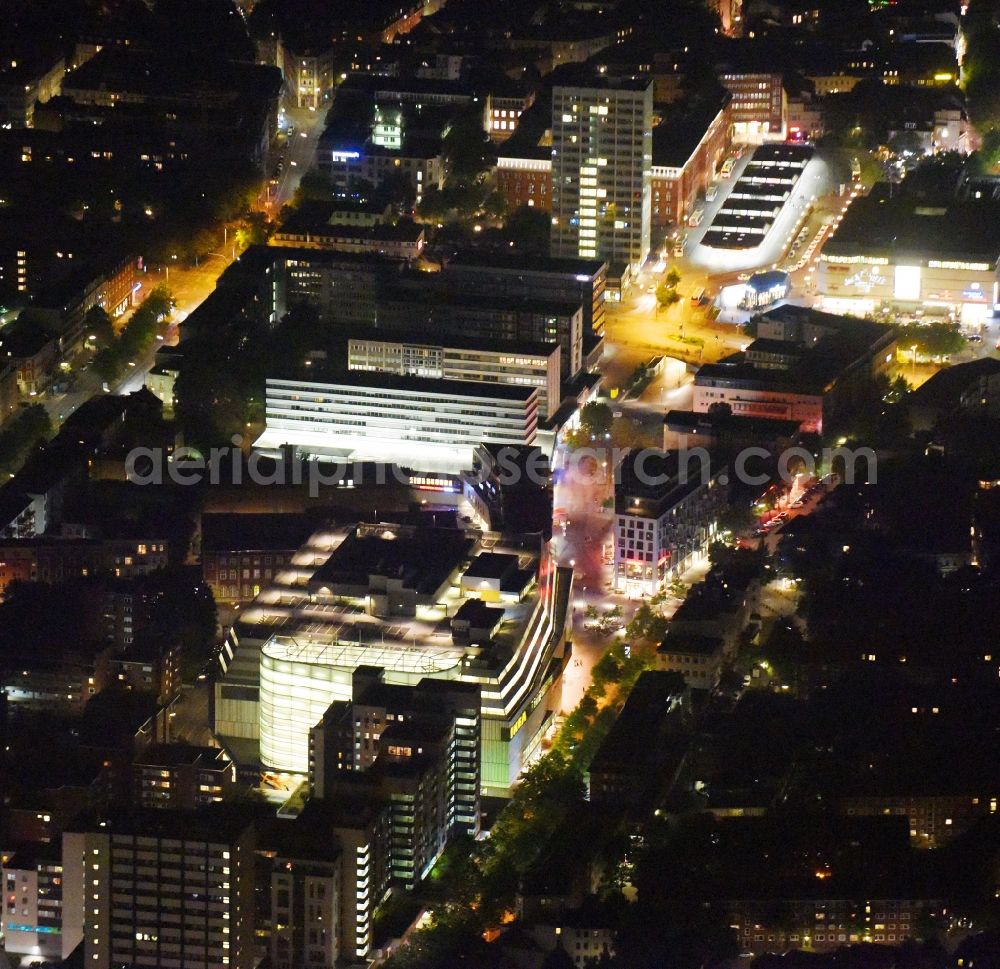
(136, 338)
(28, 428)
(932, 340)
(666, 296)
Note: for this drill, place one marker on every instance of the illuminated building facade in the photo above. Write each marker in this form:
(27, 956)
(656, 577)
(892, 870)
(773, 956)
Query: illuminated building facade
(602, 157)
(914, 253)
(665, 515)
(31, 917)
(158, 888)
(759, 105)
(417, 422)
(454, 358)
(336, 616)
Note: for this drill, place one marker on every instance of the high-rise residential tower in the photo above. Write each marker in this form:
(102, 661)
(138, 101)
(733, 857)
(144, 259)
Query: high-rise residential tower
(602, 156)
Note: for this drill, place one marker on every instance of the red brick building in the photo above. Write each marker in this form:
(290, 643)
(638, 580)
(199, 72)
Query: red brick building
(526, 179)
(758, 105)
(241, 554)
(682, 167)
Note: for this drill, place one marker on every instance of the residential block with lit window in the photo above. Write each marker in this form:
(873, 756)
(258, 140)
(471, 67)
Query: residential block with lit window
(182, 776)
(31, 919)
(504, 110)
(162, 888)
(306, 901)
(417, 749)
(602, 156)
(241, 554)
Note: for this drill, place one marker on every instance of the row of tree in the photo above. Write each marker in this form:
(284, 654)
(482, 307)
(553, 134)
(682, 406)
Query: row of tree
(28, 428)
(136, 337)
(981, 74)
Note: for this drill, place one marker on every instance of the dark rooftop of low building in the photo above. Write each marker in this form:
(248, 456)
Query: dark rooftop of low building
(681, 642)
(684, 125)
(945, 388)
(23, 339)
(652, 480)
(656, 697)
(254, 532)
(721, 422)
(491, 565)
(478, 614)
(214, 824)
(182, 755)
(516, 262)
(896, 224)
(422, 557)
(420, 385)
(420, 337)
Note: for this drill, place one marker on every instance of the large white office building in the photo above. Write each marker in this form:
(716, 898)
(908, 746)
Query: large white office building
(602, 160)
(419, 423)
(480, 361)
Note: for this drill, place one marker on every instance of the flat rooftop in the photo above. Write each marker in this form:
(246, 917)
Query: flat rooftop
(409, 385)
(517, 263)
(906, 226)
(423, 558)
(422, 338)
(254, 532)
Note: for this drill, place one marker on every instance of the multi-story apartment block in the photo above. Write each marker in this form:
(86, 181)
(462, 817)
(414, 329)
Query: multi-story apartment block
(182, 777)
(825, 924)
(350, 736)
(149, 666)
(28, 78)
(423, 763)
(31, 917)
(935, 816)
(362, 830)
(524, 179)
(454, 358)
(65, 684)
(54, 559)
(504, 111)
(416, 422)
(602, 156)
(341, 287)
(666, 505)
(308, 75)
(305, 910)
(162, 888)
